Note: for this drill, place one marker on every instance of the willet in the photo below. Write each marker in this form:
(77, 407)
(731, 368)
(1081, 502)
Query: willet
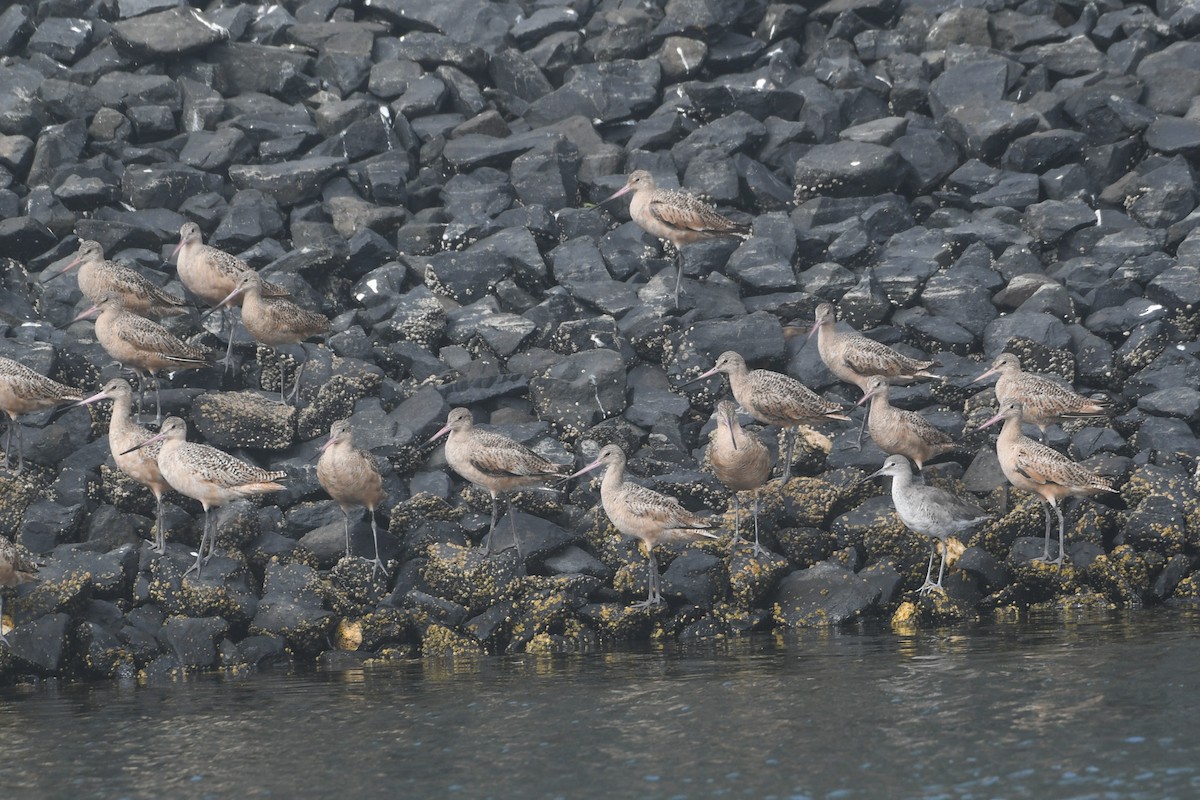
(351, 477)
(211, 274)
(143, 346)
(98, 277)
(23, 391)
(741, 461)
(930, 511)
(1043, 401)
(644, 514)
(123, 435)
(900, 432)
(275, 321)
(854, 358)
(207, 474)
(677, 216)
(1050, 475)
(773, 398)
(494, 462)
(14, 570)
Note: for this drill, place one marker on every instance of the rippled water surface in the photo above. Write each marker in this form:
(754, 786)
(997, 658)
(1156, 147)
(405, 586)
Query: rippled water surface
(1063, 707)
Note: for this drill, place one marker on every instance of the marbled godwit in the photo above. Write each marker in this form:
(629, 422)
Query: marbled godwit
(855, 358)
(22, 391)
(773, 398)
(211, 274)
(494, 462)
(644, 514)
(741, 462)
(206, 474)
(14, 570)
(351, 477)
(99, 277)
(143, 346)
(676, 216)
(900, 432)
(275, 321)
(123, 435)
(1036, 468)
(929, 511)
(1043, 401)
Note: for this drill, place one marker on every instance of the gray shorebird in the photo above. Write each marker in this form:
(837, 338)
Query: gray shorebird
(855, 359)
(124, 434)
(494, 462)
(1047, 473)
(677, 216)
(773, 398)
(143, 346)
(275, 321)
(351, 477)
(15, 569)
(650, 517)
(208, 475)
(1043, 401)
(211, 274)
(930, 511)
(900, 432)
(99, 277)
(23, 391)
(741, 461)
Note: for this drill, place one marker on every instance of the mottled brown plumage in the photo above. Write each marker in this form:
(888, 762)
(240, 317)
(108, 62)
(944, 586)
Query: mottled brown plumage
(740, 461)
(23, 391)
(351, 477)
(124, 434)
(677, 216)
(1036, 468)
(644, 514)
(15, 569)
(99, 277)
(494, 462)
(208, 475)
(1044, 402)
(774, 398)
(899, 432)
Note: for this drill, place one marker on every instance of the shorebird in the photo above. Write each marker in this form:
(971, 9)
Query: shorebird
(274, 321)
(900, 432)
(494, 462)
(773, 398)
(211, 274)
(1050, 475)
(351, 477)
(23, 391)
(207, 474)
(854, 358)
(143, 346)
(741, 461)
(644, 514)
(677, 216)
(15, 569)
(930, 511)
(1044, 402)
(124, 433)
(98, 277)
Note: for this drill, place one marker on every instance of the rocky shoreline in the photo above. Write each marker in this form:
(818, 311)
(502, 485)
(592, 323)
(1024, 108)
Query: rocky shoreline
(959, 181)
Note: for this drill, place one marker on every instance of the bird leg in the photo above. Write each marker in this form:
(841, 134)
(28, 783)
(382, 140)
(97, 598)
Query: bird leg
(227, 322)
(942, 565)
(1061, 525)
(15, 432)
(157, 399)
(3, 638)
(512, 519)
(199, 565)
(1045, 557)
(379, 566)
(160, 535)
(759, 550)
(678, 273)
(653, 596)
(8, 436)
(858, 443)
(737, 521)
(346, 520)
(787, 462)
(487, 545)
(929, 585)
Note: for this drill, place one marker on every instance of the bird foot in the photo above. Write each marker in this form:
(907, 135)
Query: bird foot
(1046, 559)
(648, 603)
(379, 568)
(929, 586)
(758, 551)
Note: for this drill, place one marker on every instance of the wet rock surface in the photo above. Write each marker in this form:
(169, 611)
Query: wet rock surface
(430, 177)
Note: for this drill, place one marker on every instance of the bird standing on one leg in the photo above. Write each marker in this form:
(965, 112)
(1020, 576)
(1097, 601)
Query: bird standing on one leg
(494, 462)
(351, 477)
(677, 216)
(645, 514)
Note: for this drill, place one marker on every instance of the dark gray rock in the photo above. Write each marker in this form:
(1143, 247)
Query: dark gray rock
(581, 390)
(697, 578)
(193, 641)
(824, 594)
(848, 169)
(41, 645)
(290, 183)
(606, 92)
(172, 33)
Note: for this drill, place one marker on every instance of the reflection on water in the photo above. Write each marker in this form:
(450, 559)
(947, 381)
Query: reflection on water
(1095, 706)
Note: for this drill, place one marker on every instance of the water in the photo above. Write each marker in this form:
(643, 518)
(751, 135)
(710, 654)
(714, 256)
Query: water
(1092, 706)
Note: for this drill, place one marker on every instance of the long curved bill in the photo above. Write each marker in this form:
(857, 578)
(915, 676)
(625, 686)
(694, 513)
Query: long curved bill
(156, 437)
(700, 377)
(85, 314)
(987, 374)
(991, 421)
(65, 270)
(93, 399)
(585, 470)
(623, 190)
(442, 432)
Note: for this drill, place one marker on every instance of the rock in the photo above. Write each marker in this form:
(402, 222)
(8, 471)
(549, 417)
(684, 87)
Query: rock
(696, 577)
(193, 641)
(848, 169)
(289, 183)
(824, 594)
(41, 645)
(172, 33)
(234, 420)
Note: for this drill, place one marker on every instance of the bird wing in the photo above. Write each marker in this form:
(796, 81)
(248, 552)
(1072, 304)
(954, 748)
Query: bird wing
(145, 334)
(869, 357)
(782, 397)
(665, 510)
(501, 457)
(216, 466)
(685, 212)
